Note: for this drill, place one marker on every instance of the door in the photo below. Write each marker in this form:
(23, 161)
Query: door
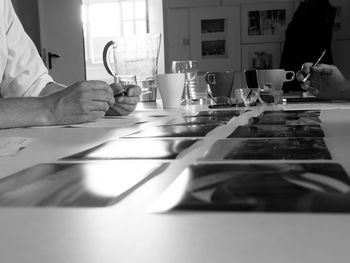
(62, 39)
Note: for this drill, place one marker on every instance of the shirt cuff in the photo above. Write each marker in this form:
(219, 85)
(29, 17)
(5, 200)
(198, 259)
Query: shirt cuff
(38, 86)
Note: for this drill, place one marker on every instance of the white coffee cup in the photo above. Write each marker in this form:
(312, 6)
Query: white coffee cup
(171, 88)
(273, 79)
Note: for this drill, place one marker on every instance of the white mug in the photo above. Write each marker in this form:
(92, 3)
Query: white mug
(273, 79)
(171, 87)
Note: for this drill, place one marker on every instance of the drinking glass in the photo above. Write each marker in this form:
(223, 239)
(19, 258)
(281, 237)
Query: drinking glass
(190, 69)
(124, 81)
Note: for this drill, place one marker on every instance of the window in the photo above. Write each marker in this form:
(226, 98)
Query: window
(104, 20)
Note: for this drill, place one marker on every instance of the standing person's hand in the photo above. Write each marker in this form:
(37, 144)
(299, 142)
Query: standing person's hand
(326, 81)
(81, 102)
(125, 99)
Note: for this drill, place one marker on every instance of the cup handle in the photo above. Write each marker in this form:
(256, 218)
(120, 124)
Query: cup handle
(105, 57)
(210, 78)
(292, 76)
(210, 94)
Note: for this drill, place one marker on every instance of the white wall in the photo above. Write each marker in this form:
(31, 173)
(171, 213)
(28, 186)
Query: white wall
(177, 28)
(156, 25)
(341, 55)
(27, 11)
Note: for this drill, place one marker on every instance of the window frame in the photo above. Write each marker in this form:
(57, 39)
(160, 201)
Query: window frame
(88, 38)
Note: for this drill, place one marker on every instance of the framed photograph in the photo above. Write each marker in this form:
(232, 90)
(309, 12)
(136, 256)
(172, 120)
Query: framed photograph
(261, 56)
(215, 39)
(265, 22)
(341, 27)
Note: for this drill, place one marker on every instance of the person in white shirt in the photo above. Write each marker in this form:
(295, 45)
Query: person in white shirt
(30, 97)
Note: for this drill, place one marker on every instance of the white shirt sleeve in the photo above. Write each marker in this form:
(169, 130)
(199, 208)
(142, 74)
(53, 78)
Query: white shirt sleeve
(24, 73)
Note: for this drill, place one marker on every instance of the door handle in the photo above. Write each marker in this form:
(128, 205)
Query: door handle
(50, 56)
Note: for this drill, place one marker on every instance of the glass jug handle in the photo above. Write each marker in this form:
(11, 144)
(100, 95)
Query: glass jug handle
(105, 57)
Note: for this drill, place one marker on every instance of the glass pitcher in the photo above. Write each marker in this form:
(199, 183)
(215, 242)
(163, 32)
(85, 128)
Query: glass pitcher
(135, 55)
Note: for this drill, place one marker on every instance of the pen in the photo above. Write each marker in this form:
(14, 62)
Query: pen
(315, 65)
(121, 94)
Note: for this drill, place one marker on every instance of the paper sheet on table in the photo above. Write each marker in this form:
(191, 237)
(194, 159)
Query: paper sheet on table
(12, 145)
(119, 121)
(107, 122)
(100, 123)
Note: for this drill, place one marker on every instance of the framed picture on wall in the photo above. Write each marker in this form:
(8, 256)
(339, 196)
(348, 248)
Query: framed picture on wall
(341, 27)
(192, 3)
(265, 22)
(261, 56)
(215, 38)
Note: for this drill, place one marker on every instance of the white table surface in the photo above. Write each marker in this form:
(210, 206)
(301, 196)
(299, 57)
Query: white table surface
(126, 232)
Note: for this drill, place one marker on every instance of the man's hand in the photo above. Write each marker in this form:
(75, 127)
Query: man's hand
(125, 100)
(81, 102)
(326, 81)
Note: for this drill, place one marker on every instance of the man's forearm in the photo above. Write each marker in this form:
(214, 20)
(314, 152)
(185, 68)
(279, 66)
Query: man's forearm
(27, 111)
(23, 112)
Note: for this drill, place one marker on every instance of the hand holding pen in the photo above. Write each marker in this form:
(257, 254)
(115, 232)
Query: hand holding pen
(325, 82)
(126, 99)
(314, 65)
(304, 75)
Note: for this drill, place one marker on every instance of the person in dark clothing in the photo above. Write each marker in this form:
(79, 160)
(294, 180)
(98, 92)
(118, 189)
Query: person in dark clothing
(307, 36)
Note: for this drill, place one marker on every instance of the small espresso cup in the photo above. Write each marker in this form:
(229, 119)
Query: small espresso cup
(220, 86)
(273, 79)
(170, 87)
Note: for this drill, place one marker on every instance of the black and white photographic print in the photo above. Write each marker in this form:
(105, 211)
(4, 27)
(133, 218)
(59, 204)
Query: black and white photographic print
(291, 121)
(290, 118)
(260, 60)
(299, 113)
(268, 149)
(214, 38)
(214, 48)
(197, 120)
(269, 187)
(261, 56)
(277, 131)
(135, 149)
(76, 184)
(265, 22)
(175, 131)
(218, 114)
